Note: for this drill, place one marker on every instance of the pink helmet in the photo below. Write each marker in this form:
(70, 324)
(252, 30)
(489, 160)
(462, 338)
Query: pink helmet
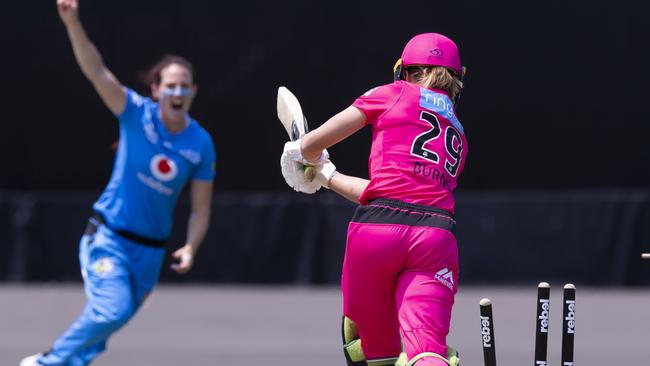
(430, 49)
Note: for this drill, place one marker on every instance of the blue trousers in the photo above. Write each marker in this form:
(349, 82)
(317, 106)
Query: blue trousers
(118, 275)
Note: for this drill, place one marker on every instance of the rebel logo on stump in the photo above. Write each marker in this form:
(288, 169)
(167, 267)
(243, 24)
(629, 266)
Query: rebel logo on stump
(163, 168)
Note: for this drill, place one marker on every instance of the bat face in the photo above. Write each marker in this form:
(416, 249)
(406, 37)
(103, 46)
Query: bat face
(290, 114)
(294, 122)
(296, 132)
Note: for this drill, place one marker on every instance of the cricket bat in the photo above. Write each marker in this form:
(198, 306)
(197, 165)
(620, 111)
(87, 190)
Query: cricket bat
(293, 120)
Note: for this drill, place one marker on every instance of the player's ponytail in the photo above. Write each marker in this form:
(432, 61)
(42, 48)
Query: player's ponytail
(436, 77)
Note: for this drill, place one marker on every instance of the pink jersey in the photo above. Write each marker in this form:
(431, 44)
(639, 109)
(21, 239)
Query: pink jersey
(418, 145)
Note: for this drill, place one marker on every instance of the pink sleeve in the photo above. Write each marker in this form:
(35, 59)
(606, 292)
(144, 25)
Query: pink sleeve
(376, 101)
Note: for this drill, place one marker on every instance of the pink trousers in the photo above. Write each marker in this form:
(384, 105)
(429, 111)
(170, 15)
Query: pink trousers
(399, 278)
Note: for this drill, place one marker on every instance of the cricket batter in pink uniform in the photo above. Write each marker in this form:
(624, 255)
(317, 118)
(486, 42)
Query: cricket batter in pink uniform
(400, 272)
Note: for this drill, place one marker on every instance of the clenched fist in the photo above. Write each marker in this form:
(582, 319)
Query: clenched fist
(68, 11)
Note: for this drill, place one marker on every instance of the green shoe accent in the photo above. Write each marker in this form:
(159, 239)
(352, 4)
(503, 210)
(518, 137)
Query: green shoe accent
(352, 344)
(350, 331)
(453, 359)
(390, 361)
(354, 351)
(453, 356)
(402, 360)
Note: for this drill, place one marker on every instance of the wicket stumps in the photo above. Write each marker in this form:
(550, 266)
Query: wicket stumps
(541, 326)
(541, 323)
(568, 324)
(487, 333)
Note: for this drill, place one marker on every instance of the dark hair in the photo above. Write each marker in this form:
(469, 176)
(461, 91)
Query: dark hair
(152, 76)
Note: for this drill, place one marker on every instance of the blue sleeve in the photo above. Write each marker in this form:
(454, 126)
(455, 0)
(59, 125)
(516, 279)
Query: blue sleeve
(206, 169)
(134, 106)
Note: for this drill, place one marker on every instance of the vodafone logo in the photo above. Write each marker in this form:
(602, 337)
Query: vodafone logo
(163, 168)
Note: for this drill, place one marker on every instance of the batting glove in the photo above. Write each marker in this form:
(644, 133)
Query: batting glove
(294, 174)
(293, 150)
(325, 173)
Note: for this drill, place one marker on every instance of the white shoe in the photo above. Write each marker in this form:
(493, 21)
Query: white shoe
(31, 360)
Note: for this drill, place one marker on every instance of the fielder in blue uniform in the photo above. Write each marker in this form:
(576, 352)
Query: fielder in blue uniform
(161, 148)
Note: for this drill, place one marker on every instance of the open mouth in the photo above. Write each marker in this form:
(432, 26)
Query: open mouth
(177, 106)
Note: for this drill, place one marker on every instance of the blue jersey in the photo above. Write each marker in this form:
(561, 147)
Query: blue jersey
(151, 167)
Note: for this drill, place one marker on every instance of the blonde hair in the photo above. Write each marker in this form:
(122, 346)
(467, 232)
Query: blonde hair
(436, 77)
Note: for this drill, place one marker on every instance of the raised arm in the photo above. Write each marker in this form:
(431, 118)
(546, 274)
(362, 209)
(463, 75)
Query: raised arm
(334, 130)
(110, 90)
(331, 132)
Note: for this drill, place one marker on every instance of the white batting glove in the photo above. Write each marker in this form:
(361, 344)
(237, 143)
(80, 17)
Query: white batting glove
(325, 174)
(294, 174)
(293, 150)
